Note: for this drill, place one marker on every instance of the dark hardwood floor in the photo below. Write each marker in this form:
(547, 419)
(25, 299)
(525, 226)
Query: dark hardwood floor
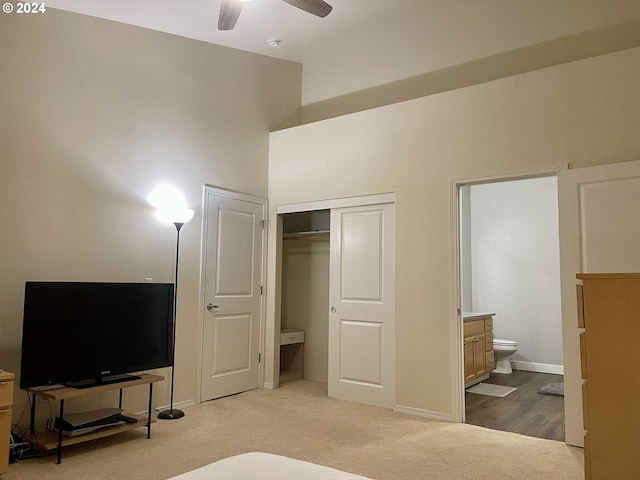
(524, 411)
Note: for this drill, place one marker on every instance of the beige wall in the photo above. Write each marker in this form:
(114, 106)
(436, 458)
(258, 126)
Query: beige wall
(428, 47)
(94, 115)
(581, 113)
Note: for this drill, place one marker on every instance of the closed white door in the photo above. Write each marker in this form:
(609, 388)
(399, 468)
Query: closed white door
(232, 295)
(362, 305)
(599, 233)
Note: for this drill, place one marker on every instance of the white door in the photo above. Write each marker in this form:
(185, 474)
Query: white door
(599, 232)
(232, 294)
(362, 305)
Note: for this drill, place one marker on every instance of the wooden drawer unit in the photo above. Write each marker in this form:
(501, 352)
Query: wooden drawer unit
(583, 355)
(488, 342)
(488, 350)
(585, 406)
(6, 401)
(474, 327)
(5, 429)
(490, 360)
(580, 306)
(488, 325)
(6, 390)
(587, 456)
(608, 307)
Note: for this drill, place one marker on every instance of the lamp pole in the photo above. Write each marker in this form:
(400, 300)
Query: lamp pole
(174, 413)
(172, 208)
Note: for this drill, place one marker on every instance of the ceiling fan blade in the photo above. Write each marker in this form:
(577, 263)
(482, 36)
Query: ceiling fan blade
(316, 7)
(229, 13)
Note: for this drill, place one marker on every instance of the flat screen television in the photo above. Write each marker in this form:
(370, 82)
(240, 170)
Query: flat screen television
(87, 333)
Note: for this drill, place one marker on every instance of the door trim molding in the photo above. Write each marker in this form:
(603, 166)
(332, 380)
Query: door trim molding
(221, 192)
(571, 262)
(375, 199)
(420, 412)
(455, 304)
(274, 278)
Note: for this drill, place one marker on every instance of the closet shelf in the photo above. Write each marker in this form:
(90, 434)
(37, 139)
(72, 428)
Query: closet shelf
(312, 235)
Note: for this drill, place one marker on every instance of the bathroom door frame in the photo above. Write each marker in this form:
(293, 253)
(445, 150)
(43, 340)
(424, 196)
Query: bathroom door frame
(455, 312)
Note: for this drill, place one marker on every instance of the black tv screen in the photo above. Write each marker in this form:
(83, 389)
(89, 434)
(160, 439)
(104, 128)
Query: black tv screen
(91, 332)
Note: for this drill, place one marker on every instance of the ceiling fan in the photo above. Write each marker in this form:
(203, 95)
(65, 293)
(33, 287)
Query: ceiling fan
(230, 10)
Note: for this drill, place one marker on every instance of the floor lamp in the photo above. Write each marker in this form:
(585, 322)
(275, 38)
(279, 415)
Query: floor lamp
(178, 215)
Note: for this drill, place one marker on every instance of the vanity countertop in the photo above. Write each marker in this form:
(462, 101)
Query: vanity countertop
(469, 316)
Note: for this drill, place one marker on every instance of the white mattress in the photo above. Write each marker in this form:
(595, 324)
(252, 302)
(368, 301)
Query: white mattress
(265, 466)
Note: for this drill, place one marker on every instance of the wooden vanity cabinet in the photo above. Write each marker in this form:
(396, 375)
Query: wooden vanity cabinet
(609, 312)
(478, 350)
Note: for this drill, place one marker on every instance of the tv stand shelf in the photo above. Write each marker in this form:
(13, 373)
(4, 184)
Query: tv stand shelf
(47, 441)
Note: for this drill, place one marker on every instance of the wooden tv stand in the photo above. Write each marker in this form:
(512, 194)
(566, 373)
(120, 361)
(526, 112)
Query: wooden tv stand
(46, 441)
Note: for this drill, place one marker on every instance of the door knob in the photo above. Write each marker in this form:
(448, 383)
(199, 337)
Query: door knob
(333, 310)
(211, 306)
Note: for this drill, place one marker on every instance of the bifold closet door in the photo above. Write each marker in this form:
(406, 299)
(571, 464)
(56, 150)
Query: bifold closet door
(362, 304)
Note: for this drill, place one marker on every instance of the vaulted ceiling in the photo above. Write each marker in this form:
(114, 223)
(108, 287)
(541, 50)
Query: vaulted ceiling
(365, 43)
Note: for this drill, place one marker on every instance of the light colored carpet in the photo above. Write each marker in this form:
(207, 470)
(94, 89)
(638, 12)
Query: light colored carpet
(491, 390)
(300, 421)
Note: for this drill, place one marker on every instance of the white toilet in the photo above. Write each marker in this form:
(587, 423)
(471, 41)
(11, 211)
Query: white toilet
(502, 350)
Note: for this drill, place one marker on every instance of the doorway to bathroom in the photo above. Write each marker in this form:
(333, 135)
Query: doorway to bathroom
(509, 274)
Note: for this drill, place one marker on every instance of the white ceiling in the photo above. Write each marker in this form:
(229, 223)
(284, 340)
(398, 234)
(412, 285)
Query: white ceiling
(301, 32)
(260, 20)
(364, 43)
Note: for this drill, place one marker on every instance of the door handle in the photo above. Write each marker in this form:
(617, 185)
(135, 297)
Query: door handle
(211, 306)
(333, 310)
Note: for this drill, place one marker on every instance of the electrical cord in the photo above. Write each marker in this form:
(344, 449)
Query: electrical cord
(19, 447)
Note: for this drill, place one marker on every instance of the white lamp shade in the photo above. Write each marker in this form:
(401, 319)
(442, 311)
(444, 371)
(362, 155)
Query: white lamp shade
(171, 204)
(174, 215)
(167, 197)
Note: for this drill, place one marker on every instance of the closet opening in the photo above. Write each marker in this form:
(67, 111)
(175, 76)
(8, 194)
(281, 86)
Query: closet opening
(335, 296)
(304, 334)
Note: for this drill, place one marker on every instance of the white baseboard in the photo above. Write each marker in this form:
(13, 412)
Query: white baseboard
(269, 386)
(537, 367)
(446, 417)
(176, 405)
